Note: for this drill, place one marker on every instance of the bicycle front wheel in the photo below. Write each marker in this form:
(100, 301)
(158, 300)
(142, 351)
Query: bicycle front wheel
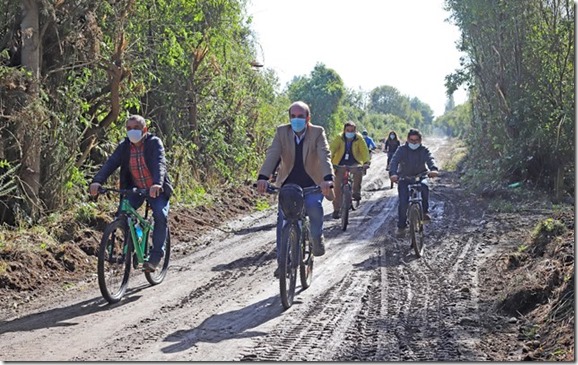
(306, 263)
(416, 229)
(158, 275)
(289, 260)
(114, 260)
(345, 206)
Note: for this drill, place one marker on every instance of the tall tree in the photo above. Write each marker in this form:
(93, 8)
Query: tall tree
(520, 69)
(29, 129)
(323, 91)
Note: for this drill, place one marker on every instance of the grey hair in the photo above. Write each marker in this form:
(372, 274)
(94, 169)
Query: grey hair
(137, 118)
(302, 105)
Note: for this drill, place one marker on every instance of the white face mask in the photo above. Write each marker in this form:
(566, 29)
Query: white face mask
(134, 135)
(414, 146)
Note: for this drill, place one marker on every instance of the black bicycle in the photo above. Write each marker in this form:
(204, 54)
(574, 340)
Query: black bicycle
(125, 243)
(295, 250)
(415, 212)
(346, 191)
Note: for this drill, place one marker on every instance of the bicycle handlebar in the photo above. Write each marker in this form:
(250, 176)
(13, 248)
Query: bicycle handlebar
(133, 191)
(415, 178)
(351, 167)
(272, 189)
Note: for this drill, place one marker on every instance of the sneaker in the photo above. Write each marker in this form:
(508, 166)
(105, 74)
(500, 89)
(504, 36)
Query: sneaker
(276, 273)
(426, 217)
(400, 232)
(336, 214)
(318, 247)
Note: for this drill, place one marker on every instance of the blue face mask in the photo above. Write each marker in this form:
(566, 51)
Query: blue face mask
(349, 135)
(298, 124)
(414, 146)
(392, 136)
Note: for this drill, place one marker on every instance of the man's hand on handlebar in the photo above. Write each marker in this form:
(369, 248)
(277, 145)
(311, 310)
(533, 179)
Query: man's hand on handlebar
(262, 186)
(155, 190)
(93, 189)
(432, 174)
(326, 189)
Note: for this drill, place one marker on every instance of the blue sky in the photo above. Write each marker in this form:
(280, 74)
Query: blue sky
(369, 43)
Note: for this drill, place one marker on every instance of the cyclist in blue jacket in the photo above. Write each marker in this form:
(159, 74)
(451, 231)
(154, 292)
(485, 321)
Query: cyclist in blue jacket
(368, 140)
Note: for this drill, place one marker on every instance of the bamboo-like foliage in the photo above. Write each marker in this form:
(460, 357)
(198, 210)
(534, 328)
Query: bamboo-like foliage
(185, 65)
(520, 67)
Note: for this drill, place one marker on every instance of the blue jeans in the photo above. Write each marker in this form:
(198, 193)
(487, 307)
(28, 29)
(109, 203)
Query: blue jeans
(403, 193)
(160, 207)
(314, 210)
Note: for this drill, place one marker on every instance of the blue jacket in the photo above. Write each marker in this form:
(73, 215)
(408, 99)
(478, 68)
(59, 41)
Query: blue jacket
(370, 144)
(407, 162)
(154, 154)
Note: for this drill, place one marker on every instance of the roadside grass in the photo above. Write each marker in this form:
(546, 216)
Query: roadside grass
(540, 288)
(459, 153)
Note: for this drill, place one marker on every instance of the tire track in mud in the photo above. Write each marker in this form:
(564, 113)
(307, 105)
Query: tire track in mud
(130, 342)
(422, 304)
(332, 318)
(401, 311)
(385, 306)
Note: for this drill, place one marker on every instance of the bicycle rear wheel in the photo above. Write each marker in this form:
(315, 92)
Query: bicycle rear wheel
(416, 229)
(289, 260)
(345, 206)
(306, 263)
(114, 260)
(157, 276)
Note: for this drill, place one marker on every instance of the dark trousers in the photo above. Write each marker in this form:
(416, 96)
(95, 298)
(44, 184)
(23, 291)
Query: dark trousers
(403, 194)
(160, 208)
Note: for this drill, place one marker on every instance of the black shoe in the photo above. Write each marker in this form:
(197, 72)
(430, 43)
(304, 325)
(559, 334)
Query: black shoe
(336, 214)
(150, 266)
(400, 232)
(426, 217)
(276, 273)
(319, 247)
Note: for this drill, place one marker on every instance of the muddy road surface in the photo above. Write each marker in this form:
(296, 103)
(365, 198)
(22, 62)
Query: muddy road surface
(371, 299)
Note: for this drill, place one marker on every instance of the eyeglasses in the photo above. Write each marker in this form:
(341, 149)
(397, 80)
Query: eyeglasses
(297, 116)
(414, 140)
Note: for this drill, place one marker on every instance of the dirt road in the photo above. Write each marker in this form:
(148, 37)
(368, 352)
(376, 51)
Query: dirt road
(370, 300)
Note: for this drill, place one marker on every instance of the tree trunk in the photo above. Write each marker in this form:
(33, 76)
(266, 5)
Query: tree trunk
(28, 131)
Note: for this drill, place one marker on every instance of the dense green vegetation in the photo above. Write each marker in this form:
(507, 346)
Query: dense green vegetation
(189, 66)
(520, 71)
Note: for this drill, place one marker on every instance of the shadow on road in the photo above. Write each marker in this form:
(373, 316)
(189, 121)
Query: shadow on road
(230, 325)
(247, 261)
(264, 227)
(58, 317)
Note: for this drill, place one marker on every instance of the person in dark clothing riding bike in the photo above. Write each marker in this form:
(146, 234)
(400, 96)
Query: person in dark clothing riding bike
(141, 158)
(409, 160)
(390, 146)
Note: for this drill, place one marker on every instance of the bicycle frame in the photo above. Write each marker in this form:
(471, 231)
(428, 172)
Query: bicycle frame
(414, 188)
(298, 253)
(348, 177)
(126, 210)
(415, 216)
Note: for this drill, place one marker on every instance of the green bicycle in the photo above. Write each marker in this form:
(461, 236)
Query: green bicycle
(118, 252)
